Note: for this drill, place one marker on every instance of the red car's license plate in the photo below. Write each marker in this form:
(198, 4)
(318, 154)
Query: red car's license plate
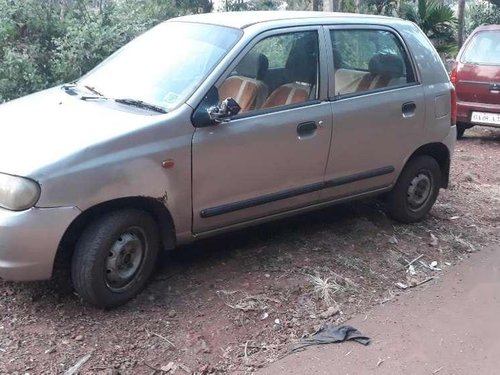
(486, 118)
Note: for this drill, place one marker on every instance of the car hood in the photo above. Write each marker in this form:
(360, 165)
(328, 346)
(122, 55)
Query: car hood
(48, 126)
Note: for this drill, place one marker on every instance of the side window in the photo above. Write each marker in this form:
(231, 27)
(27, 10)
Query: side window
(367, 60)
(279, 70)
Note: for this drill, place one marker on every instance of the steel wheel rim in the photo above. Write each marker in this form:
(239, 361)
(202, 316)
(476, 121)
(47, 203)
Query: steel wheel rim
(420, 190)
(125, 259)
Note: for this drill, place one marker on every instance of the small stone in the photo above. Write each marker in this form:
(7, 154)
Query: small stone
(204, 369)
(79, 338)
(202, 347)
(393, 240)
(434, 240)
(172, 314)
(50, 351)
(169, 367)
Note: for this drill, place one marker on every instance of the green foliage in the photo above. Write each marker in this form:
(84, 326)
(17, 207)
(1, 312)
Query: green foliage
(437, 21)
(243, 5)
(276, 49)
(386, 7)
(480, 13)
(46, 42)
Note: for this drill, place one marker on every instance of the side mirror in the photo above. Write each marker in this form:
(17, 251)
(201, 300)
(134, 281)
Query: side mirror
(229, 107)
(201, 117)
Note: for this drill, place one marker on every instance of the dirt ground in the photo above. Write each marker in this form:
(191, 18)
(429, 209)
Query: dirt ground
(449, 327)
(234, 304)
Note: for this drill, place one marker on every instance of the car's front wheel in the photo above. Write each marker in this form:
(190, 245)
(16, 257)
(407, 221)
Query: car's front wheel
(115, 257)
(416, 189)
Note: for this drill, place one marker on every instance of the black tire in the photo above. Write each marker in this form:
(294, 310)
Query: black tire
(461, 130)
(100, 262)
(404, 200)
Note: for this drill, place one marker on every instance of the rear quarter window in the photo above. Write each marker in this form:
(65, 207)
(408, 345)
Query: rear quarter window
(484, 49)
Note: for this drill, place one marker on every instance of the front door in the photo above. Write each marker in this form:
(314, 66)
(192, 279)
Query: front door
(271, 157)
(378, 110)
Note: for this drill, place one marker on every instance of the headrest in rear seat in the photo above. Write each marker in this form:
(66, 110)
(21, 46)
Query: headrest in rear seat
(253, 65)
(386, 65)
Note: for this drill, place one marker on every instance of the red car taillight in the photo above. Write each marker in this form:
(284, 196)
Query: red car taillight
(453, 111)
(454, 74)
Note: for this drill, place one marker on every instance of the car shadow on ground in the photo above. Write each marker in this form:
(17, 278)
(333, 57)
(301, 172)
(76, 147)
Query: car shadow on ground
(223, 246)
(484, 135)
(208, 253)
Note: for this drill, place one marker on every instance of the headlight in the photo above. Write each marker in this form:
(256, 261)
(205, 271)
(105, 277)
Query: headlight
(18, 193)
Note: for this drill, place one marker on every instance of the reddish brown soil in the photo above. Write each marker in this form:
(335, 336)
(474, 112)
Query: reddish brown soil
(235, 303)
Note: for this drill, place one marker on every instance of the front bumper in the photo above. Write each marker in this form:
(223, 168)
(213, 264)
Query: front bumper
(465, 109)
(29, 241)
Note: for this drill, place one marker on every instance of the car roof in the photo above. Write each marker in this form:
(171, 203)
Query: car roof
(241, 20)
(487, 27)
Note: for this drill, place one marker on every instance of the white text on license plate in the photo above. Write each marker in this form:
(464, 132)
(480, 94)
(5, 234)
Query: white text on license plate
(486, 118)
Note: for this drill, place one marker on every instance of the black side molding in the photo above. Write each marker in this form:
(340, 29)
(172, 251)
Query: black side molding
(359, 176)
(268, 198)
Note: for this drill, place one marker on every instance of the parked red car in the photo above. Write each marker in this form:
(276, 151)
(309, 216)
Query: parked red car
(476, 76)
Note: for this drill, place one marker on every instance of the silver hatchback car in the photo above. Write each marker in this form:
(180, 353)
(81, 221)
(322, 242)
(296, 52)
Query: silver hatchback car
(213, 122)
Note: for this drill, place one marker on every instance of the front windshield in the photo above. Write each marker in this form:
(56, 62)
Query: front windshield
(163, 66)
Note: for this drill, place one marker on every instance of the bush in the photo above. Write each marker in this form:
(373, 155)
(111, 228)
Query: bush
(45, 43)
(480, 13)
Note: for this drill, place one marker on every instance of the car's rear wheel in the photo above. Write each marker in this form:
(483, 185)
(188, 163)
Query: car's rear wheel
(416, 189)
(115, 257)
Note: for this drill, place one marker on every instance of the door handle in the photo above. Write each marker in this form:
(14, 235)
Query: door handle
(306, 128)
(408, 109)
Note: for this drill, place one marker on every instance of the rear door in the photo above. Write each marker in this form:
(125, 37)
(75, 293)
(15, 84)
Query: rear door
(378, 109)
(479, 69)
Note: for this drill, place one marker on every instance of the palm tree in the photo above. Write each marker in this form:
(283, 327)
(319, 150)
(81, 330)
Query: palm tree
(436, 20)
(461, 22)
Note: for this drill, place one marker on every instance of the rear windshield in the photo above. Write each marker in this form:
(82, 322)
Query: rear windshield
(484, 48)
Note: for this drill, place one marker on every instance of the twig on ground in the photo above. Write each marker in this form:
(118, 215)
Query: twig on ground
(185, 368)
(152, 367)
(161, 337)
(245, 352)
(78, 365)
(426, 280)
(414, 260)
(380, 361)
(437, 370)
(246, 303)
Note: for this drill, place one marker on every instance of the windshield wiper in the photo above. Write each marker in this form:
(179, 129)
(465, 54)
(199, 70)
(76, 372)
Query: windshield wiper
(141, 104)
(72, 89)
(93, 91)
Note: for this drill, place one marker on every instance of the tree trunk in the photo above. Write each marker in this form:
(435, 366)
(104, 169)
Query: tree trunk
(356, 6)
(316, 5)
(461, 22)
